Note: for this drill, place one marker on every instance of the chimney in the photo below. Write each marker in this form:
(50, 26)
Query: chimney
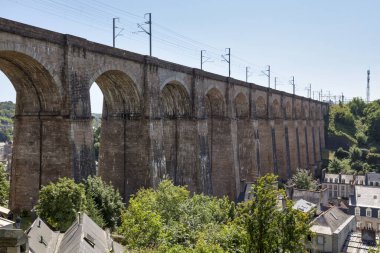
(80, 218)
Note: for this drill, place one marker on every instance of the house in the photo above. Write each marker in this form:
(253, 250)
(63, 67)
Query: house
(331, 229)
(318, 197)
(12, 240)
(84, 236)
(373, 179)
(340, 185)
(365, 205)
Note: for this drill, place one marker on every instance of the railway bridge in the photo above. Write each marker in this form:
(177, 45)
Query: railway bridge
(207, 131)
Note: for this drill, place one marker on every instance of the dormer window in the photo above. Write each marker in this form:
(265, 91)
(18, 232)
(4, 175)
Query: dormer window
(343, 181)
(371, 183)
(368, 212)
(331, 180)
(336, 180)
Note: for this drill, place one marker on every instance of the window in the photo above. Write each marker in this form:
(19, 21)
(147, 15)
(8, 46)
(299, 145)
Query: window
(368, 212)
(331, 180)
(343, 180)
(369, 225)
(377, 183)
(330, 191)
(378, 214)
(358, 224)
(357, 211)
(343, 191)
(361, 181)
(320, 239)
(336, 180)
(371, 183)
(378, 226)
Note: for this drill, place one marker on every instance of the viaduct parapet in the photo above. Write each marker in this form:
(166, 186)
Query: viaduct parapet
(159, 118)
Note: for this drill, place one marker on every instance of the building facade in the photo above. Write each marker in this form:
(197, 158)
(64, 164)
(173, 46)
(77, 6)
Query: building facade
(365, 205)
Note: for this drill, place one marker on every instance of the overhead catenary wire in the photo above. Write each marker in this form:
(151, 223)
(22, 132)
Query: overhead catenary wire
(97, 15)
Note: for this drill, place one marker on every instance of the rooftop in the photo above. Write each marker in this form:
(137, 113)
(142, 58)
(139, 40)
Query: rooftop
(331, 221)
(304, 205)
(84, 235)
(354, 244)
(366, 196)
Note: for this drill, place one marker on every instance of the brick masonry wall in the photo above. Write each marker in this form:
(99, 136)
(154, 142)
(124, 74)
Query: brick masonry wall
(204, 130)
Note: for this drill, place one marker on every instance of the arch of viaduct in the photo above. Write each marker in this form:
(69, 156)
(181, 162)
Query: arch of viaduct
(159, 118)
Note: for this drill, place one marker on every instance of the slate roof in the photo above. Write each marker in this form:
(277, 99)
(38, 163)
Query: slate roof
(373, 177)
(331, 176)
(366, 196)
(5, 222)
(4, 210)
(331, 221)
(83, 236)
(41, 238)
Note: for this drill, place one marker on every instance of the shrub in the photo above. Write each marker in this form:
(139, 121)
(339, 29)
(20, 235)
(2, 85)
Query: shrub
(341, 153)
(373, 158)
(355, 154)
(60, 202)
(361, 138)
(106, 199)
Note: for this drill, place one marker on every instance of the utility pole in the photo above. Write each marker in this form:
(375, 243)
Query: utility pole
(113, 31)
(114, 27)
(267, 74)
(275, 83)
(228, 60)
(294, 86)
(310, 90)
(246, 74)
(149, 32)
(368, 79)
(321, 96)
(342, 98)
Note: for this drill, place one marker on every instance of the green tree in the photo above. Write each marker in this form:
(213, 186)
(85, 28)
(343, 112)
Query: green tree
(60, 202)
(272, 228)
(141, 224)
(355, 154)
(96, 132)
(304, 180)
(357, 107)
(294, 228)
(171, 220)
(374, 125)
(106, 199)
(339, 166)
(4, 186)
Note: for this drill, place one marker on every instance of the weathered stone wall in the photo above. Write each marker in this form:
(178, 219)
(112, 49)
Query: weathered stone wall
(159, 119)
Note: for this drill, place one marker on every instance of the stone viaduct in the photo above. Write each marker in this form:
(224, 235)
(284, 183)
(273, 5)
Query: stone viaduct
(203, 130)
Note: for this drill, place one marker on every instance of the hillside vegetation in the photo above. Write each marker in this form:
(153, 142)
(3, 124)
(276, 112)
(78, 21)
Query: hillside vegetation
(7, 111)
(354, 136)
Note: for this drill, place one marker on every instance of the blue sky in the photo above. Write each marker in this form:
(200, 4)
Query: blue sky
(329, 44)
